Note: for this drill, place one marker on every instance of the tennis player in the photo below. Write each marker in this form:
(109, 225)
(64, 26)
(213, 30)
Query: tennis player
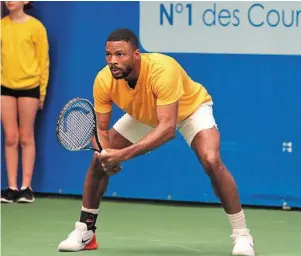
(159, 98)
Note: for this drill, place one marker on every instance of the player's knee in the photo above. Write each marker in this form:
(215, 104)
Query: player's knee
(26, 139)
(212, 163)
(12, 139)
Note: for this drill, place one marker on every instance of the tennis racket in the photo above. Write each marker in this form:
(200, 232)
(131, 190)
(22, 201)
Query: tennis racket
(76, 126)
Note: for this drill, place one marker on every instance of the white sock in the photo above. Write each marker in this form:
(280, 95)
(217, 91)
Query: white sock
(238, 220)
(93, 211)
(23, 187)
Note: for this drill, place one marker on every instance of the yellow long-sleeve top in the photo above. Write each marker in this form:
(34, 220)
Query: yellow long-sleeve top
(24, 55)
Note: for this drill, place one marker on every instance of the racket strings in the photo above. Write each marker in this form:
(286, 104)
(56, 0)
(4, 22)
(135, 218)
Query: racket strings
(77, 134)
(76, 121)
(77, 125)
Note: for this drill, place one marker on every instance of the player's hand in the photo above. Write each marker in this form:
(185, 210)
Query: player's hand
(41, 105)
(112, 170)
(110, 160)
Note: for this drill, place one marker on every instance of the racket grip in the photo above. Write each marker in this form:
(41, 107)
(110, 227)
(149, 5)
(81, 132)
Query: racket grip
(103, 152)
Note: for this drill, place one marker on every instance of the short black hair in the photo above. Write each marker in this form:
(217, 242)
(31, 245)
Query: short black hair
(124, 34)
(28, 6)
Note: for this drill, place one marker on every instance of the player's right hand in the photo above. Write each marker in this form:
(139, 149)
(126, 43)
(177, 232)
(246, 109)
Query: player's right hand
(112, 168)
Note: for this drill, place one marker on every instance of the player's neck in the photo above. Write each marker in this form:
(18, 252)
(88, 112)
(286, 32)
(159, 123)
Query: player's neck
(18, 16)
(132, 83)
(133, 77)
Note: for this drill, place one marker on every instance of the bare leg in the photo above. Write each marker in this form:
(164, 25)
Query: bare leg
(96, 183)
(206, 144)
(207, 147)
(9, 120)
(28, 108)
(96, 180)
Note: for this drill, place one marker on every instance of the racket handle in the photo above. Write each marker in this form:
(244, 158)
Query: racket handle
(103, 152)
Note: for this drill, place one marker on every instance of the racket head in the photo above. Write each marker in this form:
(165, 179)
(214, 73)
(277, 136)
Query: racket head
(76, 125)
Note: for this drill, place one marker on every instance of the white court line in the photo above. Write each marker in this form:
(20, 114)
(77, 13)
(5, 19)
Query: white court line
(189, 248)
(200, 241)
(161, 242)
(162, 231)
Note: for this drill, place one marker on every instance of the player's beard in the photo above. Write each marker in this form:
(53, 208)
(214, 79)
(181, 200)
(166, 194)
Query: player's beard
(124, 72)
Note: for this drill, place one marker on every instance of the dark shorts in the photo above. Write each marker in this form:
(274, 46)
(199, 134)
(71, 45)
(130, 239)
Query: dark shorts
(31, 93)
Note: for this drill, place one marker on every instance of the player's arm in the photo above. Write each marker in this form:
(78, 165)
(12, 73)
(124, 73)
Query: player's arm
(42, 54)
(103, 121)
(167, 88)
(165, 131)
(103, 109)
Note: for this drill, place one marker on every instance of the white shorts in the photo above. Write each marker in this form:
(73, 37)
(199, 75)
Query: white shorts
(200, 120)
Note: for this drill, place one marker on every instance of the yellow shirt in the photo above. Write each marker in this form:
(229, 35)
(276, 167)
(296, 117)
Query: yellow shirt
(161, 81)
(24, 55)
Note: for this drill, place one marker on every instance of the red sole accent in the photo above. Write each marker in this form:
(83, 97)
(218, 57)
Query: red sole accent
(93, 245)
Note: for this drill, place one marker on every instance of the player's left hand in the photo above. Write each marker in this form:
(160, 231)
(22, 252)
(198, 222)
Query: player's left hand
(110, 157)
(41, 105)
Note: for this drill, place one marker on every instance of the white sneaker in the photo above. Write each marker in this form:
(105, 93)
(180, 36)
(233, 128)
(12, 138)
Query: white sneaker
(79, 239)
(242, 243)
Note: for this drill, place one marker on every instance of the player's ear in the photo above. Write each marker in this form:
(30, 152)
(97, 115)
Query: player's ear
(137, 54)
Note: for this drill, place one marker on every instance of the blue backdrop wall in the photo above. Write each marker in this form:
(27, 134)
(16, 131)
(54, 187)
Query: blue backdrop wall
(256, 101)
